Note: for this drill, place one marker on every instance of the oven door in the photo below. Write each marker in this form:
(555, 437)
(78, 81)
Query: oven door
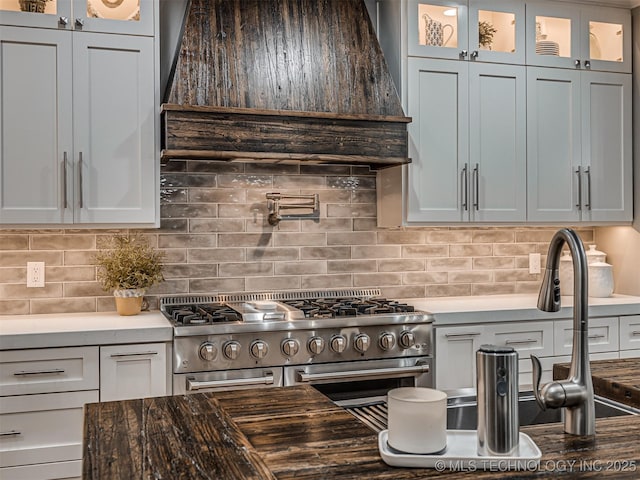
(227, 380)
(362, 379)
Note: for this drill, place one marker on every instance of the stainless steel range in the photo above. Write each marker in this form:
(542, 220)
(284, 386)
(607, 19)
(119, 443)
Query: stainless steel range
(347, 343)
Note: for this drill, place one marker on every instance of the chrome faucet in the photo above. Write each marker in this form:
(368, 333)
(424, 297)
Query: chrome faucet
(575, 394)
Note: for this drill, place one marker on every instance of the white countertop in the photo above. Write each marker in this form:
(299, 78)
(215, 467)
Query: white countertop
(77, 329)
(499, 308)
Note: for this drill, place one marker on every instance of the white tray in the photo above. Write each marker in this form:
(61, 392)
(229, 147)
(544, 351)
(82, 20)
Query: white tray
(462, 454)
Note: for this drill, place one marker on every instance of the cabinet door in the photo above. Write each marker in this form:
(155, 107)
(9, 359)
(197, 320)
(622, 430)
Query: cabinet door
(438, 141)
(35, 126)
(54, 12)
(133, 371)
(605, 35)
(630, 332)
(553, 144)
(497, 143)
(603, 335)
(114, 126)
(496, 31)
(42, 428)
(437, 28)
(135, 17)
(553, 35)
(607, 147)
(456, 356)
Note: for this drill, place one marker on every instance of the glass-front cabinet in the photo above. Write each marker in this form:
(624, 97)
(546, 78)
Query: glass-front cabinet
(134, 17)
(483, 30)
(591, 38)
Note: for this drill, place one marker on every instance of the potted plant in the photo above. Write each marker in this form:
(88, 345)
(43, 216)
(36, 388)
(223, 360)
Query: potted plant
(128, 266)
(485, 34)
(35, 6)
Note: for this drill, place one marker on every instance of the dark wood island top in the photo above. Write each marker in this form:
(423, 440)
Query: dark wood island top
(296, 432)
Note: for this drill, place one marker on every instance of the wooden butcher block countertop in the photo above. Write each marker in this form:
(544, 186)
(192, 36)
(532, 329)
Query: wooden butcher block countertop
(617, 380)
(296, 432)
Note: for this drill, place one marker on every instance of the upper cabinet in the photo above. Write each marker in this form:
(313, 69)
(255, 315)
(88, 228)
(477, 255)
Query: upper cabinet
(132, 17)
(483, 30)
(81, 145)
(589, 38)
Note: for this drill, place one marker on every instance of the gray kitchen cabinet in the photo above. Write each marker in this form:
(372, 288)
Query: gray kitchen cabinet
(579, 146)
(42, 395)
(578, 37)
(78, 127)
(455, 355)
(134, 371)
(467, 142)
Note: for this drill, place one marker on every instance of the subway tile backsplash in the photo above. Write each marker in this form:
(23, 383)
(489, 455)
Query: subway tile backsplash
(215, 234)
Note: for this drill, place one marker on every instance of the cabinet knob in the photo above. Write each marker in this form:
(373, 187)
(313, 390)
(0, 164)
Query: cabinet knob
(587, 64)
(577, 63)
(79, 22)
(463, 53)
(474, 54)
(63, 21)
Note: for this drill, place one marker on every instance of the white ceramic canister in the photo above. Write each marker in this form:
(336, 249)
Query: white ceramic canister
(417, 419)
(566, 274)
(600, 279)
(594, 255)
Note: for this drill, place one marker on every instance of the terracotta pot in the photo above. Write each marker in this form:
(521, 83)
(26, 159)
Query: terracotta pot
(128, 302)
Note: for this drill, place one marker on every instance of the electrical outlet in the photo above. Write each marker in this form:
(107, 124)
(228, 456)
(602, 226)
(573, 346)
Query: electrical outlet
(35, 274)
(534, 263)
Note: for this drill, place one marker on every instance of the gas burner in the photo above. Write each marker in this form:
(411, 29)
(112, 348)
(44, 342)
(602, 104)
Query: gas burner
(347, 307)
(205, 314)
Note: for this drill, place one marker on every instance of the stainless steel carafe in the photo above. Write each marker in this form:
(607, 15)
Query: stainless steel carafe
(497, 387)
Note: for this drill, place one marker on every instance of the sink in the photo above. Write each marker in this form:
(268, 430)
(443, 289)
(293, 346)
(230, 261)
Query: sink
(462, 412)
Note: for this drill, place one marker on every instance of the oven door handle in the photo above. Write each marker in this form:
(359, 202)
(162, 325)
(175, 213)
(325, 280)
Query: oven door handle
(193, 385)
(372, 374)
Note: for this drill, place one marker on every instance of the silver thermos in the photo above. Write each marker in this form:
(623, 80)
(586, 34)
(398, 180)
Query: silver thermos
(497, 387)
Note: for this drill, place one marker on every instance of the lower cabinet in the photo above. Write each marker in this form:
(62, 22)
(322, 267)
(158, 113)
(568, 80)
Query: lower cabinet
(549, 340)
(133, 371)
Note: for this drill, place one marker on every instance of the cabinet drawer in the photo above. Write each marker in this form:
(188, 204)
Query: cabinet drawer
(630, 332)
(603, 335)
(526, 337)
(46, 471)
(42, 428)
(48, 370)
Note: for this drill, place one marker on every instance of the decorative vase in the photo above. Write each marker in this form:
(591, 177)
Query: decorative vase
(36, 6)
(129, 301)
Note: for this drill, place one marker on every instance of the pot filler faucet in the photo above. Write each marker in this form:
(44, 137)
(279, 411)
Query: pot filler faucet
(575, 394)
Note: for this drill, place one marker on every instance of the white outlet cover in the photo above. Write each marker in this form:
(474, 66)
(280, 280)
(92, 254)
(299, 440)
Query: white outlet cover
(35, 274)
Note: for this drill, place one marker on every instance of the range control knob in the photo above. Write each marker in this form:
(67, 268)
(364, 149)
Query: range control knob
(231, 350)
(208, 351)
(316, 345)
(387, 341)
(290, 347)
(338, 343)
(407, 339)
(362, 342)
(259, 349)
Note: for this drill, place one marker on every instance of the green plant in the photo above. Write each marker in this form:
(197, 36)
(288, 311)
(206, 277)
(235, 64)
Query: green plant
(129, 262)
(485, 33)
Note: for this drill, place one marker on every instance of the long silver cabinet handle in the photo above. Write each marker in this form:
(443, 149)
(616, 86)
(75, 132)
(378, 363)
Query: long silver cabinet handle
(64, 180)
(465, 187)
(193, 385)
(587, 171)
(596, 335)
(459, 335)
(476, 173)
(136, 354)
(520, 342)
(579, 174)
(10, 433)
(360, 374)
(635, 333)
(80, 177)
(54, 371)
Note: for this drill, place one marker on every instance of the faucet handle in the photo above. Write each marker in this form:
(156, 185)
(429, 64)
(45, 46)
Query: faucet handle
(537, 375)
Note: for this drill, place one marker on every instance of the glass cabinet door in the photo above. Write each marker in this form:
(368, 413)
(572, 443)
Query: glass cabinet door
(496, 31)
(114, 16)
(553, 36)
(437, 28)
(606, 40)
(36, 13)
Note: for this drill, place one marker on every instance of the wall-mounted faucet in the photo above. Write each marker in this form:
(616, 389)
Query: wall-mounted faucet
(275, 206)
(575, 394)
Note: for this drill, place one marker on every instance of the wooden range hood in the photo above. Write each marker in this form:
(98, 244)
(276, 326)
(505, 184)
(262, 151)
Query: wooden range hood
(283, 81)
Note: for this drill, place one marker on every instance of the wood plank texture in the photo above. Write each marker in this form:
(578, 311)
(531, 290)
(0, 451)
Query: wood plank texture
(296, 432)
(283, 80)
(618, 380)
